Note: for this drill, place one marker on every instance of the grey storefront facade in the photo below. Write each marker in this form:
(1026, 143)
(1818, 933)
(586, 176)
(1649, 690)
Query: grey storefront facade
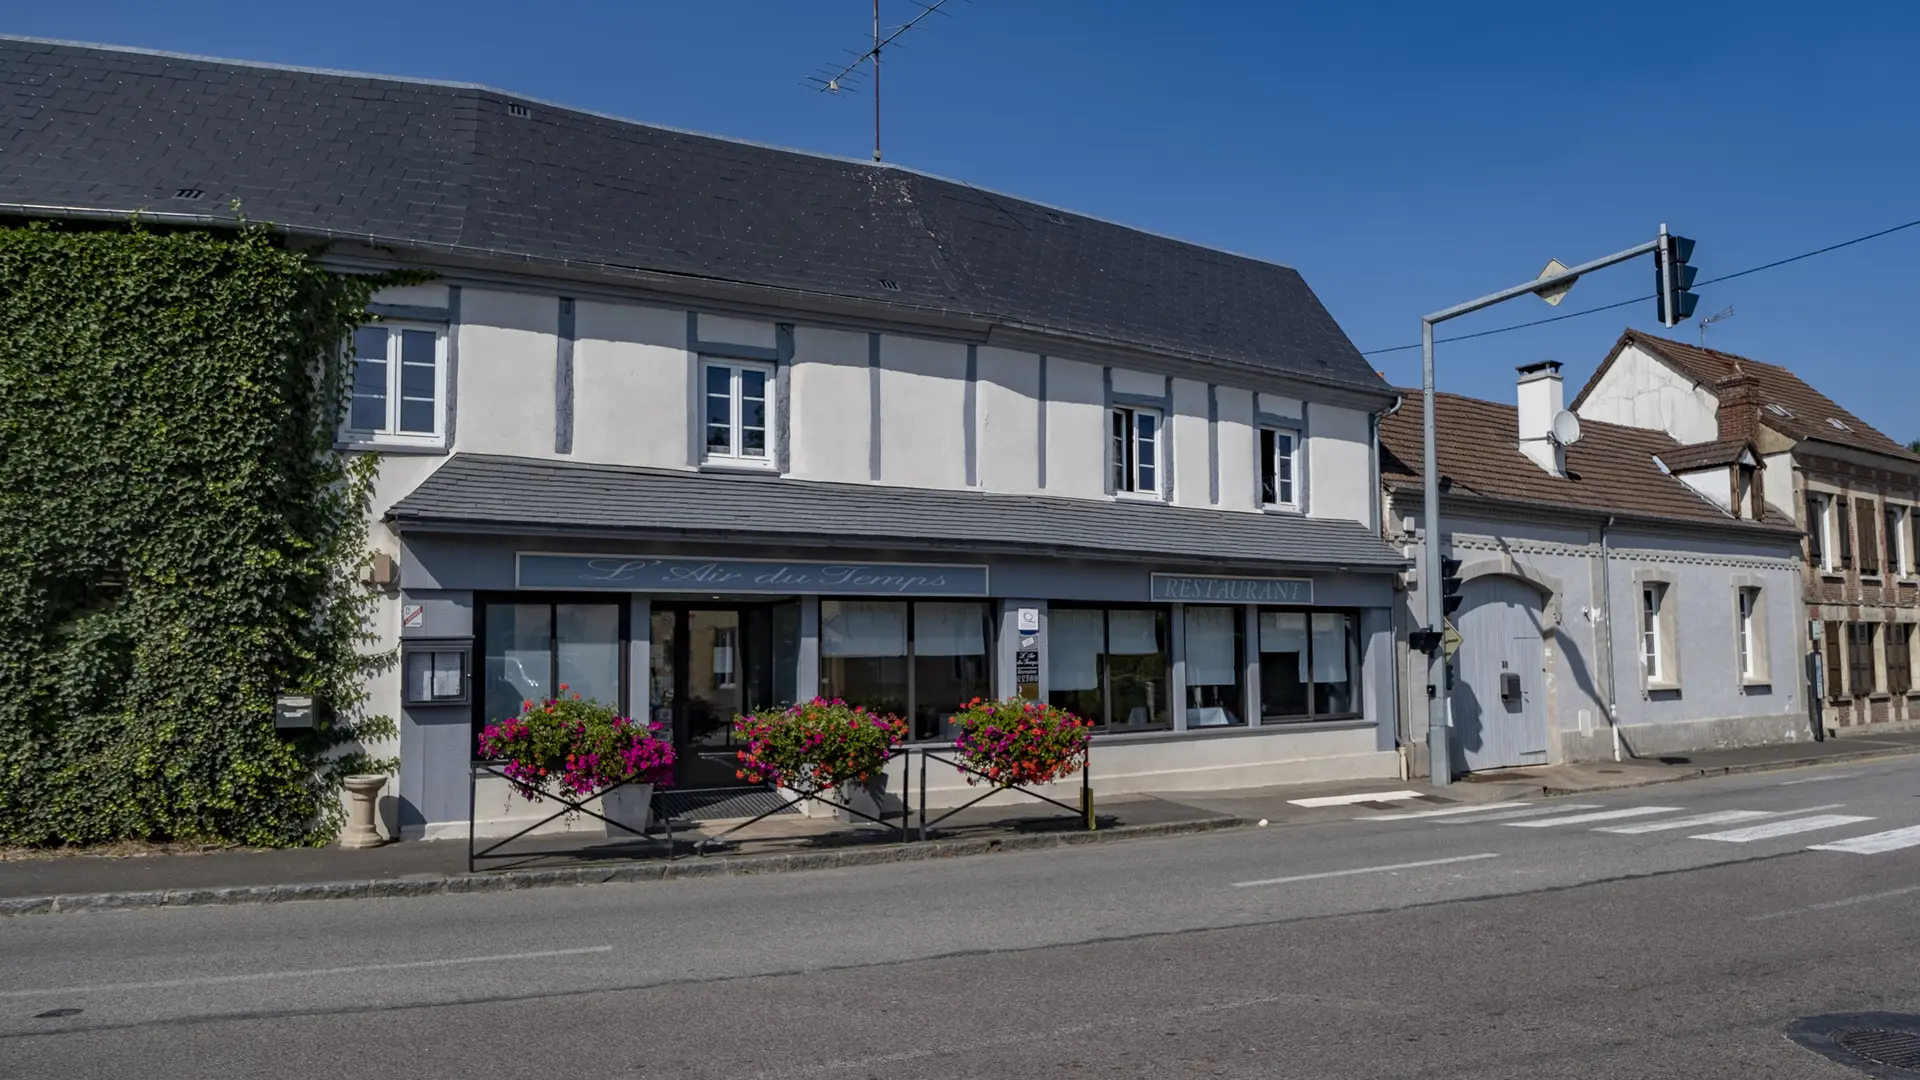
(1199, 671)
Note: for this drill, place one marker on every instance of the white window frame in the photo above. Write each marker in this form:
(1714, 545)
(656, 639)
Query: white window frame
(1289, 497)
(733, 455)
(389, 433)
(1123, 452)
(1828, 542)
(1748, 608)
(1653, 658)
(1895, 520)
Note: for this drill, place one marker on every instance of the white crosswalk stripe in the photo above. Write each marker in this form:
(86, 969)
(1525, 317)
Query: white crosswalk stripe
(1874, 843)
(1511, 815)
(1600, 815)
(1447, 811)
(1782, 828)
(1718, 817)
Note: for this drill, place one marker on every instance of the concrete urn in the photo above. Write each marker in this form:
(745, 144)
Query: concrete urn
(363, 792)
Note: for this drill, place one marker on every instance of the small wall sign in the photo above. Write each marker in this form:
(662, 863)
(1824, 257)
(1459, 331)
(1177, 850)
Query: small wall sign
(413, 616)
(648, 574)
(1028, 620)
(1232, 590)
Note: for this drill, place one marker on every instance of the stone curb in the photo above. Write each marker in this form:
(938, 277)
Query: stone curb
(1734, 770)
(683, 869)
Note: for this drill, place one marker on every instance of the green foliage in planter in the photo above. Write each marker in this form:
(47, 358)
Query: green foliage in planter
(179, 540)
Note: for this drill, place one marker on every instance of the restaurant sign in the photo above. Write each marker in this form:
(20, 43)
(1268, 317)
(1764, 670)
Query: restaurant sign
(630, 573)
(1181, 588)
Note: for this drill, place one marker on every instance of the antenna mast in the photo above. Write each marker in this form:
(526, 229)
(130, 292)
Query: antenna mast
(1723, 313)
(835, 81)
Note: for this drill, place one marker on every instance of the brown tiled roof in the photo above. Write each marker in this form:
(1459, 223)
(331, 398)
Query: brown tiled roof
(1706, 455)
(1811, 411)
(1609, 471)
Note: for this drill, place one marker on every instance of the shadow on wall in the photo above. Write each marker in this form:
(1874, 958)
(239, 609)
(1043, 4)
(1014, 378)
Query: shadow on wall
(1469, 722)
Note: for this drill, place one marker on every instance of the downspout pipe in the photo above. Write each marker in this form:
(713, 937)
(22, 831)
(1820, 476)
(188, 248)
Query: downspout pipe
(1606, 624)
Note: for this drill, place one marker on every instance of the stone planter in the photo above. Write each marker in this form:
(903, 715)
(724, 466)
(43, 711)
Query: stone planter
(869, 797)
(630, 805)
(364, 795)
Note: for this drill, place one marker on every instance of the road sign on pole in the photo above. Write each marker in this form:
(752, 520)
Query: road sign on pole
(1553, 294)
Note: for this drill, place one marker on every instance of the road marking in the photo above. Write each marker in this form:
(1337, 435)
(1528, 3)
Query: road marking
(1721, 817)
(1355, 797)
(1831, 904)
(1602, 815)
(1367, 870)
(1443, 812)
(1782, 828)
(1531, 811)
(1812, 780)
(310, 973)
(1875, 843)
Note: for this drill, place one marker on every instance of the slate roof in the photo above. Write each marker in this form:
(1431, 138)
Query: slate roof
(449, 168)
(1810, 410)
(1707, 455)
(537, 495)
(1609, 471)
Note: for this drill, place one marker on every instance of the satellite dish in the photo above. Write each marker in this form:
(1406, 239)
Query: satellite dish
(1566, 428)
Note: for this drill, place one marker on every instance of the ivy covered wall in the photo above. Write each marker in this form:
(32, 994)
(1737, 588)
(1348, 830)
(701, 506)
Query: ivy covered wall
(179, 541)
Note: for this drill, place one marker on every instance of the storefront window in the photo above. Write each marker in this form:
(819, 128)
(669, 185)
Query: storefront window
(949, 664)
(1214, 669)
(1109, 666)
(533, 649)
(923, 660)
(1309, 664)
(863, 653)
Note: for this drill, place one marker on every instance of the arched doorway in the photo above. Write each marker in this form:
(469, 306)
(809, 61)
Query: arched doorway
(1499, 696)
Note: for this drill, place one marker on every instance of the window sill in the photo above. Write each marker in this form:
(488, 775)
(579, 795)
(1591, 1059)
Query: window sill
(1756, 684)
(1236, 731)
(1660, 687)
(1281, 508)
(393, 446)
(1138, 497)
(731, 466)
(1833, 577)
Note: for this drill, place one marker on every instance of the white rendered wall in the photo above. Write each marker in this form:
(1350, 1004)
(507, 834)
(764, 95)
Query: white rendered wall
(922, 412)
(1076, 429)
(1239, 449)
(1641, 391)
(1339, 462)
(1192, 477)
(630, 385)
(1008, 435)
(830, 418)
(509, 343)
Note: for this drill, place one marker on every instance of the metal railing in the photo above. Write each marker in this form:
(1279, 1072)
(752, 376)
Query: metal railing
(568, 805)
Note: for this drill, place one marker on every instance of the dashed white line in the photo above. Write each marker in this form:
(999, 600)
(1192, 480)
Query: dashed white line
(1831, 904)
(1718, 817)
(1531, 811)
(1367, 870)
(310, 973)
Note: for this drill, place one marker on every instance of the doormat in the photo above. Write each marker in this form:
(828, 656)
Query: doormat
(718, 804)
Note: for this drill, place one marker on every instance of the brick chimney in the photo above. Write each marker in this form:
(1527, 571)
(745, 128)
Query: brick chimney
(1739, 395)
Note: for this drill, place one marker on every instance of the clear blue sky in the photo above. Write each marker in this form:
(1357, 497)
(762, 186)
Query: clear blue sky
(1403, 156)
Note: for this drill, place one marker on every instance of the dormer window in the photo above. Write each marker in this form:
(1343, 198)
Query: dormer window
(1779, 410)
(1838, 425)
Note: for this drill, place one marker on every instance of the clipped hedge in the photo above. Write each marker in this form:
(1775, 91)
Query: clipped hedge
(179, 540)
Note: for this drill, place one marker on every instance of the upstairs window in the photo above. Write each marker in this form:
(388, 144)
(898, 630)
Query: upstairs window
(1653, 658)
(1748, 642)
(1136, 451)
(399, 385)
(1279, 468)
(1899, 559)
(1869, 539)
(735, 400)
(1819, 526)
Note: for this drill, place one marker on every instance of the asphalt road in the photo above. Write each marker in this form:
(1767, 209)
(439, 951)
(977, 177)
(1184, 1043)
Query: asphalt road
(1534, 941)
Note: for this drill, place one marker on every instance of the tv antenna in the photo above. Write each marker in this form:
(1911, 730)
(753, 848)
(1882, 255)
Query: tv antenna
(829, 80)
(1718, 316)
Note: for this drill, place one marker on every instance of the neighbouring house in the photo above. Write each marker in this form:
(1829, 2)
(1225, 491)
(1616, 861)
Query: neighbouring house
(696, 426)
(1625, 594)
(1854, 491)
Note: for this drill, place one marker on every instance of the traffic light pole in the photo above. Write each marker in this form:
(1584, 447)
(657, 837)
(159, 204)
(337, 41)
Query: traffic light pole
(1439, 735)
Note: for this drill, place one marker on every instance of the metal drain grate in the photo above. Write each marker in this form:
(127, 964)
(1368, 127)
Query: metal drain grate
(1882, 1045)
(1895, 1049)
(714, 804)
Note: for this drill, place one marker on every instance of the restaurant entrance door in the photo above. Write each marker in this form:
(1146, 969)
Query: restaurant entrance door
(710, 663)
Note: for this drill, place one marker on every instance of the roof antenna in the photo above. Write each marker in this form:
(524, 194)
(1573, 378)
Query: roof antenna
(837, 81)
(1723, 313)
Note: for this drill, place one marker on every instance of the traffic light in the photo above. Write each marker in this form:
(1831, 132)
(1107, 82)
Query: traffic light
(1449, 585)
(1672, 277)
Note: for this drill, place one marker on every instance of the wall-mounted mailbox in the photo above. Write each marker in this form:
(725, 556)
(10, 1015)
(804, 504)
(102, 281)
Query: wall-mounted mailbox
(293, 712)
(436, 672)
(1510, 687)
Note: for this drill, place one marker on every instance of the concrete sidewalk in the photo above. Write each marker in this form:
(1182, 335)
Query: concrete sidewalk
(48, 882)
